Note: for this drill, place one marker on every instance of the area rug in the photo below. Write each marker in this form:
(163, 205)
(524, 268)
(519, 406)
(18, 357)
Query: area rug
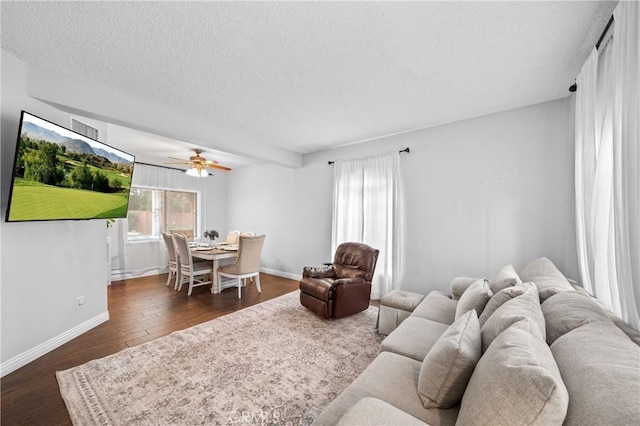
(272, 363)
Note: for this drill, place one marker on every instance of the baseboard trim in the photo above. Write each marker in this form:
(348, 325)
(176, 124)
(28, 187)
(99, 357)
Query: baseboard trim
(121, 275)
(36, 352)
(118, 275)
(282, 274)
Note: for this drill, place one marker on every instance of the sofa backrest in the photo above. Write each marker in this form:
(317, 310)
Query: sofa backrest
(600, 367)
(599, 364)
(569, 310)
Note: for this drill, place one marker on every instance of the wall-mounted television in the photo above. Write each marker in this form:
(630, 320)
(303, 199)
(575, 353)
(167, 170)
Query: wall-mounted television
(59, 174)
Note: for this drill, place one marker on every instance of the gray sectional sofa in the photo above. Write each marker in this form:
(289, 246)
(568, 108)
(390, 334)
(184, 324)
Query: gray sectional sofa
(521, 348)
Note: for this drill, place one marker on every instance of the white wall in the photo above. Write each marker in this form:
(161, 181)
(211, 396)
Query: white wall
(44, 265)
(478, 194)
(290, 207)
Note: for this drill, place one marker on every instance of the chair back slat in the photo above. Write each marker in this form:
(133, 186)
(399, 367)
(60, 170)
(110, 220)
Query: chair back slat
(184, 254)
(170, 248)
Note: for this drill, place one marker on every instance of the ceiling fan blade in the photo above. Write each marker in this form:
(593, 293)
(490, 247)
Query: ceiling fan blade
(179, 159)
(215, 166)
(199, 162)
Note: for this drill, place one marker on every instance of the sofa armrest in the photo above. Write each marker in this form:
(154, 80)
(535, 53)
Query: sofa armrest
(318, 272)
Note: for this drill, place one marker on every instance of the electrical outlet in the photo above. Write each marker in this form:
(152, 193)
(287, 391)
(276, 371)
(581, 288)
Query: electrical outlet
(80, 300)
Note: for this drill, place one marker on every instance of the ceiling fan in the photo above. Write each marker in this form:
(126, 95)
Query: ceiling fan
(199, 164)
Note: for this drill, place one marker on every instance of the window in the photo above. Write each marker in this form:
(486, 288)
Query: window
(153, 211)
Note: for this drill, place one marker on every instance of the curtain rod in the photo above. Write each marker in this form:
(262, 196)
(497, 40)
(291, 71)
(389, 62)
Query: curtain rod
(604, 32)
(574, 86)
(407, 150)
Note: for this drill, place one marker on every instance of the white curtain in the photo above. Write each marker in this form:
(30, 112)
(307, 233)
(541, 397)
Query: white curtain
(149, 176)
(607, 163)
(366, 209)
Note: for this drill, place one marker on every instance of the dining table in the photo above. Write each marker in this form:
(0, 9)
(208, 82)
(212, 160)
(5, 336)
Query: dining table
(216, 255)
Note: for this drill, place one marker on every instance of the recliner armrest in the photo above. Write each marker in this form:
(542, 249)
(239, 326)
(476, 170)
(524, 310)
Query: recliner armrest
(347, 281)
(318, 272)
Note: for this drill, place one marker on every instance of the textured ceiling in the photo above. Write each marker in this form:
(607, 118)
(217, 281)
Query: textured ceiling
(309, 76)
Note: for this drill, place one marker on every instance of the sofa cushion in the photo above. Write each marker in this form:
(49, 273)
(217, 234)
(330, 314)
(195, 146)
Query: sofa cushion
(437, 306)
(506, 277)
(459, 285)
(544, 274)
(413, 338)
(392, 378)
(448, 366)
(475, 297)
(516, 382)
(370, 411)
(601, 369)
(524, 307)
(499, 298)
(570, 310)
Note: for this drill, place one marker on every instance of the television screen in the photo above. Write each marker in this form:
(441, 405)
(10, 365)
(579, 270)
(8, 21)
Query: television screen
(59, 174)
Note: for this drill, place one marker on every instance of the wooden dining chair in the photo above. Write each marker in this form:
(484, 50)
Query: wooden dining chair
(173, 260)
(197, 273)
(247, 263)
(233, 237)
(186, 232)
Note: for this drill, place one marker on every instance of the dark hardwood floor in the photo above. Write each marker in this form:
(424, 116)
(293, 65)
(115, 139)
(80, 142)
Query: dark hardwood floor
(140, 310)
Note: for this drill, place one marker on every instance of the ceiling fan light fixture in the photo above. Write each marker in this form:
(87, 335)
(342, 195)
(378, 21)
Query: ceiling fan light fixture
(197, 172)
(198, 165)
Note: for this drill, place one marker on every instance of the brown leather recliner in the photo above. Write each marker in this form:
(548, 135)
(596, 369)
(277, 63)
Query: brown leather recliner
(344, 288)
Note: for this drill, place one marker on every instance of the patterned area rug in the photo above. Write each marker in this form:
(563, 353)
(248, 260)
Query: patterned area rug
(272, 363)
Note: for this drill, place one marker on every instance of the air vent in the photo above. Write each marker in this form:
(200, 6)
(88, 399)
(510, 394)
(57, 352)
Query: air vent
(84, 129)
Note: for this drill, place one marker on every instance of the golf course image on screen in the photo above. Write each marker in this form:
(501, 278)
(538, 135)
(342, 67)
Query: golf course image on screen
(59, 174)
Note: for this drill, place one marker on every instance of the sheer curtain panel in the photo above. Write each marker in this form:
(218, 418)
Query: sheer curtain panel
(626, 157)
(365, 209)
(607, 128)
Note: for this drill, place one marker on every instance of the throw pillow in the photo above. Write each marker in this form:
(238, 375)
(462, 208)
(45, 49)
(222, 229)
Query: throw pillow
(544, 274)
(475, 297)
(516, 382)
(449, 364)
(547, 292)
(506, 277)
(525, 307)
(501, 297)
(459, 285)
